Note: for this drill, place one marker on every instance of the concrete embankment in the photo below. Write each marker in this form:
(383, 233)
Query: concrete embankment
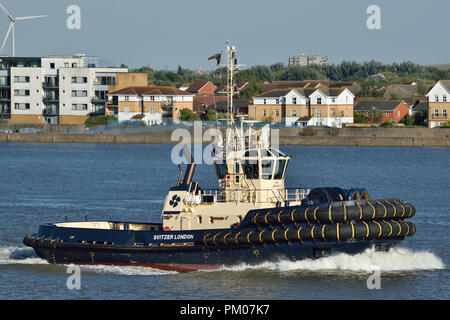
(407, 137)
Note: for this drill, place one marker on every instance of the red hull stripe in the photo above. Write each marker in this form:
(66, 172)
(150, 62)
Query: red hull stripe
(179, 267)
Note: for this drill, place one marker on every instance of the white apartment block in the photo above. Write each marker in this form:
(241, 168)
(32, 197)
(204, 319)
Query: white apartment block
(305, 60)
(53, 90)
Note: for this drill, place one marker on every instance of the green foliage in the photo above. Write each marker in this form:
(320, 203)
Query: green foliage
(98, 121)
(387, 124)
(446, 125)
(251, 90)
(188, 115)
(408, 120)
(359, 117)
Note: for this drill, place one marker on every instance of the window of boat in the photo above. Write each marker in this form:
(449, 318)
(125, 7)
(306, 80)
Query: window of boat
(221, 170)
(251, 169)
(251, 153)
(267, 169)
(266, 153)
(279, 169)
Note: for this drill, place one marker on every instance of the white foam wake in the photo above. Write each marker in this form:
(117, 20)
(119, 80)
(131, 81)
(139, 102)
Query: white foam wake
(396, 259)
(126, 270)
(19, 255)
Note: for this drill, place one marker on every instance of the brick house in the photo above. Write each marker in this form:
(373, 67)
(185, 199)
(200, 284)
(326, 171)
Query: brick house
(201, 87)
(394, 110)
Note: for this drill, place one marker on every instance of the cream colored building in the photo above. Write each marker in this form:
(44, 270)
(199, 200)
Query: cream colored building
(439, 104)
(325, 106)
(148, 103)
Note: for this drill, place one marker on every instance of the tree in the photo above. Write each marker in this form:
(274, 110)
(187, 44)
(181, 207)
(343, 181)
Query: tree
(252, 89)
(188, 115)
(359, 117)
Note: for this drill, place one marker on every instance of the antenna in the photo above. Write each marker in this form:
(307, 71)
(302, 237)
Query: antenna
(11, 28)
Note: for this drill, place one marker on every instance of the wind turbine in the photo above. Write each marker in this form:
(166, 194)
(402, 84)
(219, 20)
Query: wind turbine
(11, 28)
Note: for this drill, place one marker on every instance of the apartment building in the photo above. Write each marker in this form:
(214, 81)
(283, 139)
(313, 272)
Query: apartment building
(53, 90)
(305, 60)
(321, 106)
(438, 104)
(148, 103)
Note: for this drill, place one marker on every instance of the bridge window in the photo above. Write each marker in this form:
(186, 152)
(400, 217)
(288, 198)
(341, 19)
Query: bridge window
(267, 169)
(251, 169)
(279, 169)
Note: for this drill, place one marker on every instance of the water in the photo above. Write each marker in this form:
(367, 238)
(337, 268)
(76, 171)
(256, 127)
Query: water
(47, 182)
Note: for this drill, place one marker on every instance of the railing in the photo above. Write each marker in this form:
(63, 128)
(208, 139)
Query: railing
(250, 195)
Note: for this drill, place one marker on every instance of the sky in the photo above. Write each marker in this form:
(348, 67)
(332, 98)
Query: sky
(166, 33)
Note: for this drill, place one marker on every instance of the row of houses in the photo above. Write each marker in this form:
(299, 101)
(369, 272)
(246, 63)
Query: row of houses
(69, 89)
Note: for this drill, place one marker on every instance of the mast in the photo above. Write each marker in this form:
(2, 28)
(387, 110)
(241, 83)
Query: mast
(231, 65)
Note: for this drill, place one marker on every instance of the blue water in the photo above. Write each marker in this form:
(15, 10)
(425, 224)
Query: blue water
(48, 182)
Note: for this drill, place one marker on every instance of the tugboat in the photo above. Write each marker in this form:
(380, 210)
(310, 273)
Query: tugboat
(251, 218)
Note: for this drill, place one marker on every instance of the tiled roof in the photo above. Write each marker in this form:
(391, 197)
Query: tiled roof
(446, 84)
(381, 105)
(275, 93)
(295, 84)
(197, 85)
(151, 91)
(400, 91)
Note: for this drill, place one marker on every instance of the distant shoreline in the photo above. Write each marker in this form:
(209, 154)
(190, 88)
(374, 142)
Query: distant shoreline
(404, 137)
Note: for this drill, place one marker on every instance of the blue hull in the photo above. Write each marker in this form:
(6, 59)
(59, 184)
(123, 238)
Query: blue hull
(175, 250)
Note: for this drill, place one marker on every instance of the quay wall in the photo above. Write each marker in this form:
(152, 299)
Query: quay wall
(407, 137)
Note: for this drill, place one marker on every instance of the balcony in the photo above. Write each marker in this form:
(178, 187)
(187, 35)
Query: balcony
(98, 100)
(50, 85)
(50, 112)
(50, 99)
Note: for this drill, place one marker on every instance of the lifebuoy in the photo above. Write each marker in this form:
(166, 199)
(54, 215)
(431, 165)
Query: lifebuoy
(228, 179)
(167, 229)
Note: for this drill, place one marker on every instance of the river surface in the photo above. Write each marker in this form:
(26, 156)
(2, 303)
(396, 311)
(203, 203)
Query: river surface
(48, 182)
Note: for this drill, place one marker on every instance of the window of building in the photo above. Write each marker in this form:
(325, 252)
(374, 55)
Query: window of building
(79, 106)
(152, 110)
(277, 113)
(264, 101)
(277, 101)
(22, 106)
(79, 79)
(52, 65)
(79, 93)
(444, 98)
(264, 112)
(319, 100)
(398, 113)
(436, 112)
(21, 79)
(74, 65)
(444, 113)
(436, 98)
(333, 100)
(294, 112)
(318, 113)
(152, 98)
(333, 112)
(126, 98)
(294, 100)
(66, 64)
(387, 114)
(21, 92)
(126, 109)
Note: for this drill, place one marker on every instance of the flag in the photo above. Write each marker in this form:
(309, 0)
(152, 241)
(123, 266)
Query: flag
(216, 56)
